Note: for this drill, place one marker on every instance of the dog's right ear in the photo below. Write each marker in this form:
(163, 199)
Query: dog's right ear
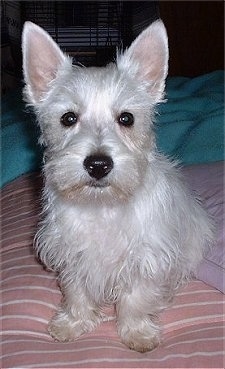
(42, 59)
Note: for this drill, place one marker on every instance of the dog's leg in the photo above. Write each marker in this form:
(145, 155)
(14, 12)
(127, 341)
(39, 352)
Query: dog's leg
(136, 325)
(76, 315)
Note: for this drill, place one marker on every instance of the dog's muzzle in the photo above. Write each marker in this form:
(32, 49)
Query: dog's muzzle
(98, 166)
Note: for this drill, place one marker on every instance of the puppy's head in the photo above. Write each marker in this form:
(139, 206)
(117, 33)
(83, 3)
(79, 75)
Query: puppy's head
(96, 123)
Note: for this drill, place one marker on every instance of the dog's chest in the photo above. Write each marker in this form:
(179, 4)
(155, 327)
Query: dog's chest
(104, 232)
(101, 246)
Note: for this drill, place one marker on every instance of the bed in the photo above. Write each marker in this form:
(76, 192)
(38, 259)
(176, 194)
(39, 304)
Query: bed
(189, 128)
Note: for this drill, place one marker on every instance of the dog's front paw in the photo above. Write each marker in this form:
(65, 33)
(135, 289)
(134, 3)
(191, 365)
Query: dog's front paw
(139, 336)
(65, 327)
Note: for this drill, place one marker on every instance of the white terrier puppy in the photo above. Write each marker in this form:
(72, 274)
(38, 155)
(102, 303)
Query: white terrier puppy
(119, 225)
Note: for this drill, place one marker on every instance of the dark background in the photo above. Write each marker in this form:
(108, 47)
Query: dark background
(196, 36)
(92, 30)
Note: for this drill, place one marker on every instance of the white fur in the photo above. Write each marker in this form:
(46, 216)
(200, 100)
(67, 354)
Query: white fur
(132, 237)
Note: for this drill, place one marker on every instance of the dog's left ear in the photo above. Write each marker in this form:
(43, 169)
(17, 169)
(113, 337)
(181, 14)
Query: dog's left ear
(147, 59)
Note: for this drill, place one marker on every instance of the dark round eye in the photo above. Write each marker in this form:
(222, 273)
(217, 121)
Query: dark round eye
(126, 119)
(68, 119)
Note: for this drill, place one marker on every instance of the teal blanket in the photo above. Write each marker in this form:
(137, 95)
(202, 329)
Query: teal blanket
(189, 127)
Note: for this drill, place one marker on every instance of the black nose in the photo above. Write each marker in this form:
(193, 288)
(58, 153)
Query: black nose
(98, 166)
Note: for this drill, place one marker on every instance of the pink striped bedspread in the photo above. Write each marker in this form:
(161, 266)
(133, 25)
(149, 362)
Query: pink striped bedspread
(193, 327)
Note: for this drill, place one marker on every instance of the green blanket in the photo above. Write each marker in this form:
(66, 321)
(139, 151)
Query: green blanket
(189, 127)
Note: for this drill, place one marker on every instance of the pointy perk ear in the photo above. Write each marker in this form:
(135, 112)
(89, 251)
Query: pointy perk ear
(147, 59)
(42, 59)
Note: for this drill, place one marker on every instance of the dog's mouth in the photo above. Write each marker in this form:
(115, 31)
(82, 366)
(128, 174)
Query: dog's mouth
(102, 191)
(98, 184)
